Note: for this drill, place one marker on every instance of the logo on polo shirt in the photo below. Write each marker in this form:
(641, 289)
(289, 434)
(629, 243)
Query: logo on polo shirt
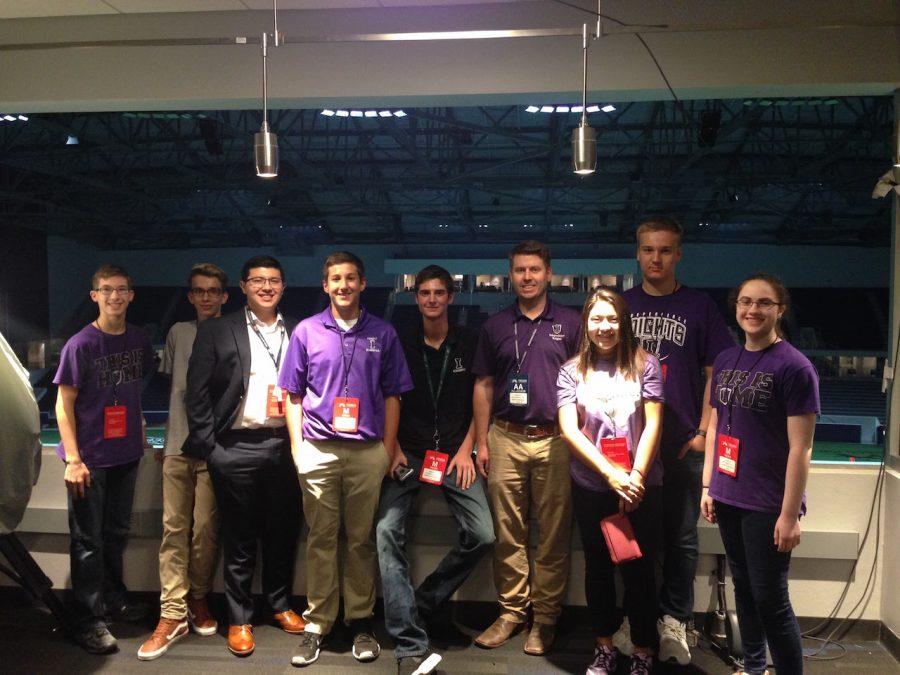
(373, 345)
(556, 332)
(458, 365)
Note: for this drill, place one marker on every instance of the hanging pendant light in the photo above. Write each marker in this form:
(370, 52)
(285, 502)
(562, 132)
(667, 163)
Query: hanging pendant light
(265, 143)
(584, 138)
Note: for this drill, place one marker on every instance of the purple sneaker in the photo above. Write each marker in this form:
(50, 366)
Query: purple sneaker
(641, 664)
(605, 661)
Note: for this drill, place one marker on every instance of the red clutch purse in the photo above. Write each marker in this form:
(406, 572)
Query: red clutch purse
(620, 540)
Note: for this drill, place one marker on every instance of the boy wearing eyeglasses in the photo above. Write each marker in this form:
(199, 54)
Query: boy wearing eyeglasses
(98, 409)
(187, 554)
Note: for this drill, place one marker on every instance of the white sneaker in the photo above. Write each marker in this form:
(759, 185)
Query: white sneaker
(673, 644)
(622, 639)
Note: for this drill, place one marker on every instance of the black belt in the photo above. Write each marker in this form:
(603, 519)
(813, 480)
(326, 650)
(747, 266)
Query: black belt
(258, 433)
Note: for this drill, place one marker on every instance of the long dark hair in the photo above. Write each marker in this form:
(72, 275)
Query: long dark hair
(781, 294)
(629, 357)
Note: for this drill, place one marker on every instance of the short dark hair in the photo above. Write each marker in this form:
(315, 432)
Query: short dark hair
(659, 224)
(208, 270)
(107, 271)
(434, 272)
(530, 247)
(260, 261)
(341, 258)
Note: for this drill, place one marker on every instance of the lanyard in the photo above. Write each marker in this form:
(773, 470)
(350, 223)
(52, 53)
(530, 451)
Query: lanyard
(118, 380)
(344, 363)
(520, 361)
(436, 394)
(730, 402)
(275, 359)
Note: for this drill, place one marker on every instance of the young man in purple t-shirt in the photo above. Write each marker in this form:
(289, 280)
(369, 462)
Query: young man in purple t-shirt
(344, 372)
(98, 409)
(683, 328)
(520, 450)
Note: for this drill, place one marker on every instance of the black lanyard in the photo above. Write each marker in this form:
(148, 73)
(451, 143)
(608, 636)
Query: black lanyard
(729, 404)
(105, 352)
(347, 364)
(275, 359)
(520, 361)
(436, 394)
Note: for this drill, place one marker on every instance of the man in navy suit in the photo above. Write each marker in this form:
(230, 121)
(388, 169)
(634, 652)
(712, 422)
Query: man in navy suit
(236, 422)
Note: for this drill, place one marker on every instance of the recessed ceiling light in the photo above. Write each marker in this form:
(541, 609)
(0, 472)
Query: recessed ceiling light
(532, 109)
(384, 113)
(328, 113)
(356, 113)
(562, 108)
(547, 108)
(371, 113)
(399, 113)
(342, 113)
(592, 108)
(608, 108)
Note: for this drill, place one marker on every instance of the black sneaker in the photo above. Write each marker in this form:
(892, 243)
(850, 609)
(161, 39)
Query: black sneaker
(418, 665)
(365, 646)
(129, 612)
(308, 651)
(443, 632)
(97, 639)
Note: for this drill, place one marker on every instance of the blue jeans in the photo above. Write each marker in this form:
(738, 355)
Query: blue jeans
(760, 575)
(404, 607)
(682, 485)
(98, 531)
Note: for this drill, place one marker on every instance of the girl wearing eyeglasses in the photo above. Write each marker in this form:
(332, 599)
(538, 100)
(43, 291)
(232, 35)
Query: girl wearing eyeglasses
(765, 398)
(610, 399)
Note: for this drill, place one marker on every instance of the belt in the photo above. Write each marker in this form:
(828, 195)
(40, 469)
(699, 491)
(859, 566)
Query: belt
(259, 433)
(533, 431)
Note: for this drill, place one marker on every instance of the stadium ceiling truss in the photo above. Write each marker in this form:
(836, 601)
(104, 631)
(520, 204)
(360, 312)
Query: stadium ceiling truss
(791, 171)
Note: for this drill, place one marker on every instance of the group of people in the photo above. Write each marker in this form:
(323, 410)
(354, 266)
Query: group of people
(642, 405)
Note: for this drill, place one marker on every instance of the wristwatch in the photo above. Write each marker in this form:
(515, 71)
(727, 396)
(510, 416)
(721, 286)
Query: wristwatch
(700, 432)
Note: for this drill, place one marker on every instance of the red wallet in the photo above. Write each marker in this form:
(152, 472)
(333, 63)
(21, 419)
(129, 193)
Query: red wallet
(620, 541)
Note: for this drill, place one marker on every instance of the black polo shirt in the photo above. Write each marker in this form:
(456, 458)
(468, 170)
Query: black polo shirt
(416, 430)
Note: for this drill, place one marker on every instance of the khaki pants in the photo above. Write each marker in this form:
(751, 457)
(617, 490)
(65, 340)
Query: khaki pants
(341, 482)
(187, 554)
(530, 474)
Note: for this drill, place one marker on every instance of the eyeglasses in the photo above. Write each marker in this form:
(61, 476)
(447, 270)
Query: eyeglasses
(259, 282)
(107, 291)
(211, 292)
(765, 304)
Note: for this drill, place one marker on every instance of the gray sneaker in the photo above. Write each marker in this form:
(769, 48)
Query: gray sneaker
(308, 651)
(418, 665)
(97, 639)
(622, 638)
(673, 644)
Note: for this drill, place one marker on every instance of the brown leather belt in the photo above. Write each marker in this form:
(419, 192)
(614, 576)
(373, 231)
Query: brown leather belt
(532, 431)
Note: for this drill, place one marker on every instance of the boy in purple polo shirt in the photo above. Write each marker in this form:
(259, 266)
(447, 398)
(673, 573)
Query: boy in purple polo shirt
(344, 371)
(526, 461)
(683, 328)
(98, 409)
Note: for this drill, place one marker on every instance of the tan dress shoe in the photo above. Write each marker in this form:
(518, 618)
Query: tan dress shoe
(540, 639)
(498, 633)
(290, 622)
(240, 640)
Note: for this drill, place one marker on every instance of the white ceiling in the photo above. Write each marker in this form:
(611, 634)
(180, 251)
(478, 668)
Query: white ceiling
(17, 9)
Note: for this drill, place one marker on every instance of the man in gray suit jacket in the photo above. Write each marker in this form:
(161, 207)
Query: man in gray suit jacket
(236, 422)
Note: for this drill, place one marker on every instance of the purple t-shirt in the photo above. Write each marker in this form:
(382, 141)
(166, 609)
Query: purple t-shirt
(768, 387)
(318, 356)
(555, 342)
(686, 332)
(104, 368)
(610, 406)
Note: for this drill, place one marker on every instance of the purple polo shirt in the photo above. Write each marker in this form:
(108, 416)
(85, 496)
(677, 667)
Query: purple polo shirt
(555, 342)
(318, 356)
(767, 388)
(107, 370)
(685, 331)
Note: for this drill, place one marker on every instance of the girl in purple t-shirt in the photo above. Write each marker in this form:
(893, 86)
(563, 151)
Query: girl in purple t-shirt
(610, 401)
(765, 396)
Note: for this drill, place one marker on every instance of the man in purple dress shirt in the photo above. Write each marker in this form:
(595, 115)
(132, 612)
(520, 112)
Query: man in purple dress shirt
(683, 328)
(520, 451)
(344, 372)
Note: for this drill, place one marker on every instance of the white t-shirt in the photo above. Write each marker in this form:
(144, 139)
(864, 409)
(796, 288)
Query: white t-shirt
(179, 343)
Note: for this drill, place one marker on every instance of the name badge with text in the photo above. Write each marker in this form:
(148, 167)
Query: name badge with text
(616, 451)
(275, 402)
(518, 390)
(346, 414)
(727, 450)
(433, 467)
(115, 421)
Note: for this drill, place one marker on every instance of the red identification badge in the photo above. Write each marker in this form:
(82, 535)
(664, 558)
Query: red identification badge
(346, 414)
(665, 371)
(727, 451)
(433, 467)
(275, 402)
(115, 421)
(616, 451)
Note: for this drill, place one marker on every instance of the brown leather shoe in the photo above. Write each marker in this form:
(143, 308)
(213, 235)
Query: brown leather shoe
(290, 622)
(498, 633)
(240, 640)
(540, 639)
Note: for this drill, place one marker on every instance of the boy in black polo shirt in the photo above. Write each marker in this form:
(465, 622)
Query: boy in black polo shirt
(438, 450)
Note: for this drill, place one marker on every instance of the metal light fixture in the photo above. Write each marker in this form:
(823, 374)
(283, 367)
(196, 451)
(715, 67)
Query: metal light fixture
(584, 139)
(265, 143)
